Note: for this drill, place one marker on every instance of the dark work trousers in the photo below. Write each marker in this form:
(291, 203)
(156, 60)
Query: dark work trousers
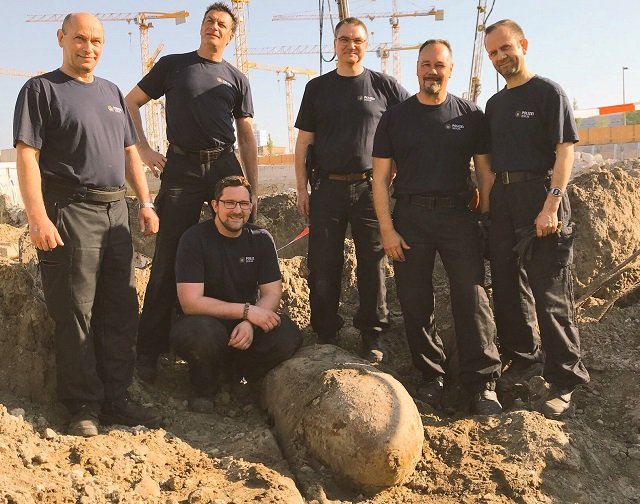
(454, 234)
(333, 205)
(90, 293)
(185, 186)
(545, 279)
(202, 341)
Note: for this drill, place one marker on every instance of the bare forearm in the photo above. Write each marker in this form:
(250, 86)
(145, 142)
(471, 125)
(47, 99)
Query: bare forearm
(249, 158)
(30, 182)
(302, 144)
(382, 171)
(134, 174)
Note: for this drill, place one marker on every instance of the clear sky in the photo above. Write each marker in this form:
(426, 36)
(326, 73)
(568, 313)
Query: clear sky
(581, 44)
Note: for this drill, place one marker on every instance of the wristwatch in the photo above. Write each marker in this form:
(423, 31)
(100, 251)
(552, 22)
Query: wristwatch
(146, 205)
(245, 312)
(556, 192)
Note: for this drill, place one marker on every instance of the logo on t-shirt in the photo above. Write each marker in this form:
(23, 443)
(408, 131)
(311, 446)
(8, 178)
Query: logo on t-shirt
(246, 260)
(366, 98)
(222, 81)
(454, 127)
(524, 114)
(113, 108)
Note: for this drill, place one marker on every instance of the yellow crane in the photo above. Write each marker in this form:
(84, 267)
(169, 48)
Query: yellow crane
(239, 10)
(155, 128)
(289, 76)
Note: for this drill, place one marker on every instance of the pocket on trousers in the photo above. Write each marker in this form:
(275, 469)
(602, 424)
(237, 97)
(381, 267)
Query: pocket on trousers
(566, 237)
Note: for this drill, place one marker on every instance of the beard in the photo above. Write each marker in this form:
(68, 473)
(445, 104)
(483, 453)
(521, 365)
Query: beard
(509, 67)
(431, 86)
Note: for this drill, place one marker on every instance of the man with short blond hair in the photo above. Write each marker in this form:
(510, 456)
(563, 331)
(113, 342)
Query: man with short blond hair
(532, 137)
(338, 116)
(76, 145)
(204, 94)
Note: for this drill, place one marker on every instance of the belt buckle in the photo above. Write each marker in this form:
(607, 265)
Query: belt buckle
(505, 178)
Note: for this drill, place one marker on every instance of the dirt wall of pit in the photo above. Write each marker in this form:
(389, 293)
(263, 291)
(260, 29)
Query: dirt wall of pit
(605, 201)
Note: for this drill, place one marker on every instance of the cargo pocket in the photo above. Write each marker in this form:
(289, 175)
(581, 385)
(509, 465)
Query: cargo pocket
(566, 237)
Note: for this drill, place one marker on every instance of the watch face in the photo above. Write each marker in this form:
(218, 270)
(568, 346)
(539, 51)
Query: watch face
(555, 192)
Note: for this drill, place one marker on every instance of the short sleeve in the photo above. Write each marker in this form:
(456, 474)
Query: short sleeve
(382, 147)
(154, 83)
(30, 116)
(190, 259)
(269, 269)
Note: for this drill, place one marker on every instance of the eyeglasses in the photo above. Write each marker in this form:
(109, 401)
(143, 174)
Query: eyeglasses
(231, 204)
(346, 40)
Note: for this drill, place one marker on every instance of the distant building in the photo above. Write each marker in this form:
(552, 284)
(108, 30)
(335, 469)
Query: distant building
(7, 155)
(262, 137)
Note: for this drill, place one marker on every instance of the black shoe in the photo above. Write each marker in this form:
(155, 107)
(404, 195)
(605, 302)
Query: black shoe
(372, 348)
(486, 402)
(124, 411)
(147, 368)
(517, 373)
(430, 392)
(84, 422)
(557, 404)
(201, 404)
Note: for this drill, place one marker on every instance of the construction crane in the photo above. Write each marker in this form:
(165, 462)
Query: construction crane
(393, 16)
(143, 20)
(19, 73)
(343, 9)
(242, 62)
(383, 50)
(289, 76)
(478, 52)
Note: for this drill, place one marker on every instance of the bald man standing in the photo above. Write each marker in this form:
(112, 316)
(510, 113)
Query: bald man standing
(75, 147)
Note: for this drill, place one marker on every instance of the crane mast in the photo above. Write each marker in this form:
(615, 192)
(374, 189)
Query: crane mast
(478, 52)
(289, 76)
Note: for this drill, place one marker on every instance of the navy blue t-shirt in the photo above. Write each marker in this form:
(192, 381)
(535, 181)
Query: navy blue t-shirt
(230, 268)
(81, 129)
(527, 123)
(343, 113)
(203, 98)
(432, 145)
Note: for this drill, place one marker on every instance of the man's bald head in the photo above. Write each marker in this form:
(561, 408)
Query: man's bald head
(81, 38)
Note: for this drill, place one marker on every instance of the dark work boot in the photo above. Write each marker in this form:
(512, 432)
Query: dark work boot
(430, 392)
(84, 422)
(372, 348)
(147, 367)
(124, 411)
(485, 402)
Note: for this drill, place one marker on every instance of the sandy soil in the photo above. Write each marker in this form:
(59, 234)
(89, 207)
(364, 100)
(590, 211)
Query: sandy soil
(231, 456)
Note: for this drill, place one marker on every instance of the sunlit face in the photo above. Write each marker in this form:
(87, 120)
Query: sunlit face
(434, 69)
(350, 44)
(232, 220)
(216, 30)
(81, 40)
(506, 51)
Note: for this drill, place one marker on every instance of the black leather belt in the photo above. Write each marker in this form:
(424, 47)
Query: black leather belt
(432, 202)
(348, 177)
(83, 193)
(514, 177)
(203, 156)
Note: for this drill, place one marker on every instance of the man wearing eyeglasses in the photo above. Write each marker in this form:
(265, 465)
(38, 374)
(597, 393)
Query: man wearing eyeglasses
(204, 95)
(338, 116)
(228, 330)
